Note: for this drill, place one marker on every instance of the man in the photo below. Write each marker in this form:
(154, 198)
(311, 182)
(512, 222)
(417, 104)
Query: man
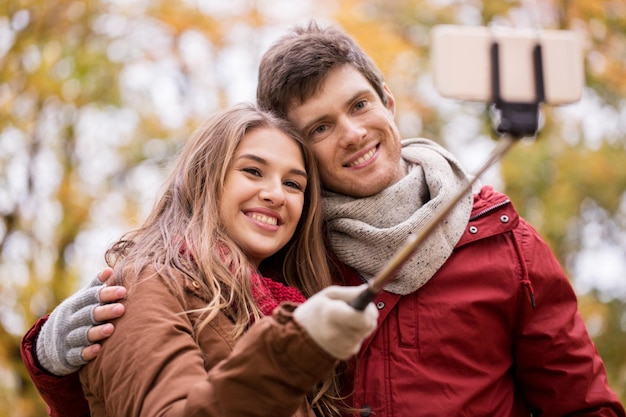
(482, 320)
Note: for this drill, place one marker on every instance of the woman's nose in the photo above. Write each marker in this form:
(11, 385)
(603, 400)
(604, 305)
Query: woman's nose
(273, 192)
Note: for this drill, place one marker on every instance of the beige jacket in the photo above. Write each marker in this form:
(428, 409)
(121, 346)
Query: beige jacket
(151, 366)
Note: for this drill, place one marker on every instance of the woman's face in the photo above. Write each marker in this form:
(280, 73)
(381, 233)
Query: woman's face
(263, 194)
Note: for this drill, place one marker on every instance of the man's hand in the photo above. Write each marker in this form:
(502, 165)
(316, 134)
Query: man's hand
(67, 339)
(107, 311)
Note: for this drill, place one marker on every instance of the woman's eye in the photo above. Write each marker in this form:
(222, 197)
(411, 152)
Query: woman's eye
(252, 171)
(295, 185)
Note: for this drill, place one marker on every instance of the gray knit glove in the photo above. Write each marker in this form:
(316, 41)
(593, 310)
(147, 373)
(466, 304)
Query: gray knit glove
(64, 335)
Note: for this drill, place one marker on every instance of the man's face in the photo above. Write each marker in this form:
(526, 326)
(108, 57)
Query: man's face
(353, 134)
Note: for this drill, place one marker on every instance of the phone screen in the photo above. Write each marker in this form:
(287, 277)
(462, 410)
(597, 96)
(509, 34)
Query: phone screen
(461, 63)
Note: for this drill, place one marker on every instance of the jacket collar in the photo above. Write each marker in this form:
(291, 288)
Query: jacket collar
(492, 214)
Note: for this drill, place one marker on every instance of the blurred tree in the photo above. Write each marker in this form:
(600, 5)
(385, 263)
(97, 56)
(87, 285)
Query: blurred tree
(53, 66)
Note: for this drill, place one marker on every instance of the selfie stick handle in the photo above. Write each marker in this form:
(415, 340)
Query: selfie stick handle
(516, 120)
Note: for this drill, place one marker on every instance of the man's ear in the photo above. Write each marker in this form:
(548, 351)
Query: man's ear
(391, 101)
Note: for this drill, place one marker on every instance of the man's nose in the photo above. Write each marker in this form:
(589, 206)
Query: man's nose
(351, 132)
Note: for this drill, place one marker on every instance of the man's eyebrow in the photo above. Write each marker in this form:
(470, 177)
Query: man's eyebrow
(312, 123)
(315, 121)
(263, 161)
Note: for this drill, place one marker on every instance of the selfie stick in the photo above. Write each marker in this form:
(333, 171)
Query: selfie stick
(516, 120)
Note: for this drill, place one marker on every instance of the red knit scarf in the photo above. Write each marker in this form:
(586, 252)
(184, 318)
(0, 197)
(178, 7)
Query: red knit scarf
(269, 293)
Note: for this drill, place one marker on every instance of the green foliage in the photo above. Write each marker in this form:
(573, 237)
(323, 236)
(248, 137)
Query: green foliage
(53, 67)
(550, 180)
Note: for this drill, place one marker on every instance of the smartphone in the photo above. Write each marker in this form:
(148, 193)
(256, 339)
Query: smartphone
(461, 63)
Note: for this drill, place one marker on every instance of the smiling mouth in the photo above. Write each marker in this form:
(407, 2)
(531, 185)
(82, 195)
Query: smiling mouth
(365, 158)
(272, 221)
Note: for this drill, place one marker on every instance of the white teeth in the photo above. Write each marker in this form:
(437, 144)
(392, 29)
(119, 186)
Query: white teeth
(364, 158)
(265, 219)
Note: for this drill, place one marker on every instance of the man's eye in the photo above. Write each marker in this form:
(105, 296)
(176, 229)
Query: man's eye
(360, 105)
(319, 129)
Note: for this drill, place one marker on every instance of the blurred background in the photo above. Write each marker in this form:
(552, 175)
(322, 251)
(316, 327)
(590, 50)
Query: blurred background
(97, 96)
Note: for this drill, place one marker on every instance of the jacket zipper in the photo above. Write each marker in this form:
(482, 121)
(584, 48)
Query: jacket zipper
(526, 283)
(531, 293)
(487, 210)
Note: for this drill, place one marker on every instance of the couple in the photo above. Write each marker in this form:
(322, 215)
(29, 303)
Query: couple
(482, 321)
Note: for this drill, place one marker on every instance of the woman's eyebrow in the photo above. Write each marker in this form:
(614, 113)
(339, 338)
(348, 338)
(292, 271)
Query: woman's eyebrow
(263, 161)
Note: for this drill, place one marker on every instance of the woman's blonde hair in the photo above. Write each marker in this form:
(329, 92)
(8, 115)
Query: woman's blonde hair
(183, 234)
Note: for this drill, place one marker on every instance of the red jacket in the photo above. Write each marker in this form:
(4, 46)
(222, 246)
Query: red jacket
(64, 395)
(496, 332)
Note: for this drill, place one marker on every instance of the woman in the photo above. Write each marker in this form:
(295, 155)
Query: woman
(198, 336)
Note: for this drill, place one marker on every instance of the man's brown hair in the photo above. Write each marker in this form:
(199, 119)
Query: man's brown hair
(295, 67)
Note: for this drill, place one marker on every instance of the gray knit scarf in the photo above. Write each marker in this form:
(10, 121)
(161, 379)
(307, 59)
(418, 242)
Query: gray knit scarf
(366, 232)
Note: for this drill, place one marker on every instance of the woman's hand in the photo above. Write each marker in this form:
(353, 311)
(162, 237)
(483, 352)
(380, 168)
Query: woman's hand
(333, 324)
